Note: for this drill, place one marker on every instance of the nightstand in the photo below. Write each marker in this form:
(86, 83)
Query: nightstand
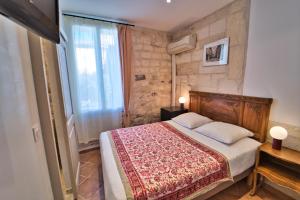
(281, 167)
(168, 113)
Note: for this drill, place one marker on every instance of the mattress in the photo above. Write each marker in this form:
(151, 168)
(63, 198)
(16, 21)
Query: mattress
(240, 155)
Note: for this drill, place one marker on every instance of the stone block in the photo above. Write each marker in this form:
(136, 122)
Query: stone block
(156, 55)
(204, 88)
(204, 80)
(159, 49)
(216, 78)
(157, 42)
(165, 70)
(165, 63)
(139, 40)
(237, 28)
(137, 47)
(228, 86)
(197, 55)
(136, 54)
(188, 69)
(236, 62)
(147, 48)
(202, 33)
(193, 79)
(210, 39)
(217, 27)
(136, 62)
(183, 58)
(216, 37)
(145, 63)
(181, 79)
(219, 69)
(154, 63)
(166, 56)
(238, 5)
(134, 37)
(140, 70)
(146, 55)
(146, 40)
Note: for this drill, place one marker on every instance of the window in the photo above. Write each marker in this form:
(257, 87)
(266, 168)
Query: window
(98, 71)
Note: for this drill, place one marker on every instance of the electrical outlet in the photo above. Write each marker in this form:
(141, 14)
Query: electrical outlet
(36, 134)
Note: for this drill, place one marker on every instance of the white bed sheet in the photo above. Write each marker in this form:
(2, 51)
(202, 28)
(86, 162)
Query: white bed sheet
(241, 156)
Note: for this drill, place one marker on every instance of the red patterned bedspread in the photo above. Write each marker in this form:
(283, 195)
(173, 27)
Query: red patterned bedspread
(157, 161)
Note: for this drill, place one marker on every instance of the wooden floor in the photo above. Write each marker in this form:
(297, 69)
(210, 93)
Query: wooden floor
(91, 183)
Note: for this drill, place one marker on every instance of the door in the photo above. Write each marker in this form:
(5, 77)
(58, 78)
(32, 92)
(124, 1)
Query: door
(62, 111)
(68, 107)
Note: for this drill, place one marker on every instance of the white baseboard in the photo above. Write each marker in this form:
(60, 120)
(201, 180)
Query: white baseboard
(92, 144)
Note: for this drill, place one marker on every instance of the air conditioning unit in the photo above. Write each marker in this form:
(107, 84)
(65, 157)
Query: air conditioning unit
(186, 43)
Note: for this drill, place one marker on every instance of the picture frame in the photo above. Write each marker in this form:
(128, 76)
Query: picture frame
(216, 53)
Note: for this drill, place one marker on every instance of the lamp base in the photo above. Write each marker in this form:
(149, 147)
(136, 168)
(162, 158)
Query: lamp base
(276, 144)
(181, 106)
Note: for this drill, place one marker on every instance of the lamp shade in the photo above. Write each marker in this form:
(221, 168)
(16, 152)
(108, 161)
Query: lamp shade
(181, 99)
(278, 132)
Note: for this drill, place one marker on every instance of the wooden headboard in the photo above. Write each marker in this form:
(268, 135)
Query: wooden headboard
(251, 113)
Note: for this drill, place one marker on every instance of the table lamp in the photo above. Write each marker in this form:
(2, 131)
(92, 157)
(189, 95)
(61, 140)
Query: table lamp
(181, 101)
(278, 134)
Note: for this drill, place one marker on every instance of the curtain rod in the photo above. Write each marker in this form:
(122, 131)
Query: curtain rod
(94, 18)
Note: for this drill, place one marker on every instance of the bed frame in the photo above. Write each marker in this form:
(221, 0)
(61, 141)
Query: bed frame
(251, 113)
(248, 112)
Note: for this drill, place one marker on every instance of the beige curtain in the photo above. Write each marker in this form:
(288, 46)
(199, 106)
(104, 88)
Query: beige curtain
(125, 45)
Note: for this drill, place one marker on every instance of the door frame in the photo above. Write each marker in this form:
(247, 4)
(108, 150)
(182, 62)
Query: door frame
(61, 121)
(42, 97)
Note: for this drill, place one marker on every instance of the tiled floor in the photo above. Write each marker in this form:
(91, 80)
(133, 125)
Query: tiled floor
(91, 183)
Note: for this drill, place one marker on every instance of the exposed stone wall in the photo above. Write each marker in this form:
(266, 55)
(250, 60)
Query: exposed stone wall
(293, 139)
(151, 67)
(231, 21)
(151, 76)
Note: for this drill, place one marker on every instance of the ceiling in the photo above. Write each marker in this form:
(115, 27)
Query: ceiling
(154, 14)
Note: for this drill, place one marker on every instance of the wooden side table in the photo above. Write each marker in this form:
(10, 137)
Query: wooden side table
(168, 113)
(282, 167)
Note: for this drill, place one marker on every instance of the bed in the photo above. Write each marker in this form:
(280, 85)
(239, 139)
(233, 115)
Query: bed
(248, 112)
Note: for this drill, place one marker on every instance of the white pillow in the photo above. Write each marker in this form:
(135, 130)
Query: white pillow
(224, 132)
(191, 120)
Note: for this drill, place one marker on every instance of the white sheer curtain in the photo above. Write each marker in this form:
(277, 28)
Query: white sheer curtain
(95, 76)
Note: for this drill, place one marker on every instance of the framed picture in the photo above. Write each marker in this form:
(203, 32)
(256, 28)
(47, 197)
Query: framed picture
(216, 53)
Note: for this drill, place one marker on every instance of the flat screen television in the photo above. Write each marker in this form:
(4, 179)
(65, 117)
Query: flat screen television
(41, 16)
